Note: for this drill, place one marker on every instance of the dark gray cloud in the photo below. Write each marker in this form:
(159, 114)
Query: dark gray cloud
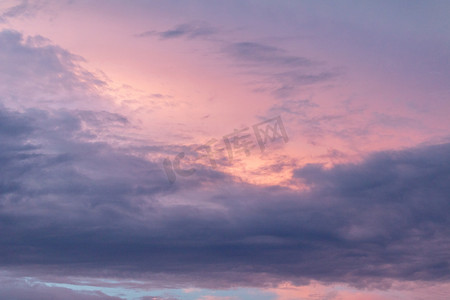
(55, 147)
(187, 30)
(89, 209)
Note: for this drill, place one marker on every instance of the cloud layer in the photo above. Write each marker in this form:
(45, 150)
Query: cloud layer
(357, 200)
(77, 207)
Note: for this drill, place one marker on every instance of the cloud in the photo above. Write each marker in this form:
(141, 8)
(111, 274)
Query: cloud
(19, 289)
(281, 73)
(251, 52)
(217, 298)
(21, 8)
(157, 298)
(398, 291)
(272, 67)
(295, 107)
(89, 209)
(187, 30)
(35, 72)
(72, 204)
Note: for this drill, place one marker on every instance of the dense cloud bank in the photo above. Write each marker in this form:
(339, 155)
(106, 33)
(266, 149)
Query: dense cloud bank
(78, 207)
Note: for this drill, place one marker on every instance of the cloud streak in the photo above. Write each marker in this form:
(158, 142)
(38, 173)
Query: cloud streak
(190, 30)
(251, 52)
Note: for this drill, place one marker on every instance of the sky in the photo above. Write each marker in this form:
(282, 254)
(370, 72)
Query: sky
(224, 150)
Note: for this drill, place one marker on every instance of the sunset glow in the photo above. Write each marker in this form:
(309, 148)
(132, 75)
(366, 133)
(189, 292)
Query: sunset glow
(223, 150)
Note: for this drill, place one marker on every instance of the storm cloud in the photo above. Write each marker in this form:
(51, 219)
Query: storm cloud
(101, 211)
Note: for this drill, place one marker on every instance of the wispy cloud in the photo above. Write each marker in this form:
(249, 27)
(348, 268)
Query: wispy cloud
(280, 73)
(23, 8)
(187, 30)
(23, 289)
(250, 52)
(36, 72)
